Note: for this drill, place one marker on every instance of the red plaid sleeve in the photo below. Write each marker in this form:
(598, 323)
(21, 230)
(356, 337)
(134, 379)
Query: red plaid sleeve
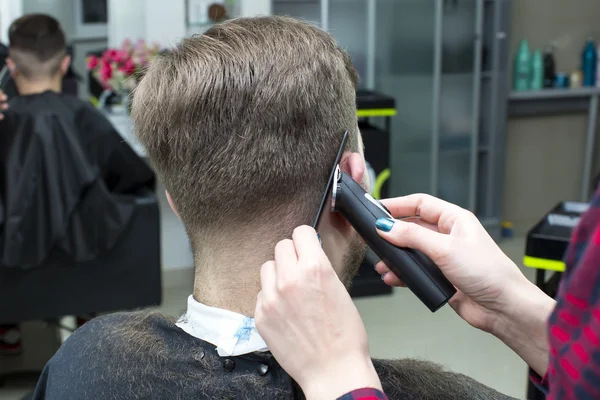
(364, 394)
(574, 326)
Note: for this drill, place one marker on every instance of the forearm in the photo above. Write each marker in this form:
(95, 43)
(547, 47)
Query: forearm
(523, 326)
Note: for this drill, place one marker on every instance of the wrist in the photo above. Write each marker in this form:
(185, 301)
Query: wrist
(523, 305)
(340, 377)
(522, 324)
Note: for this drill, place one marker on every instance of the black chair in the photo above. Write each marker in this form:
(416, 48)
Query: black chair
(127, 277)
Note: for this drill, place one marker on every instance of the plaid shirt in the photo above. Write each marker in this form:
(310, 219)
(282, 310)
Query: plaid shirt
(574, 326)
(364, 394)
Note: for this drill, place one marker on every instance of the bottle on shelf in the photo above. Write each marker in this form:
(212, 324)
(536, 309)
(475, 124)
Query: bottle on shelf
(549, 68)
(576, 79)
(589, 61)
(537, 71)
(522, 72)
(598, 66)
(562, 81)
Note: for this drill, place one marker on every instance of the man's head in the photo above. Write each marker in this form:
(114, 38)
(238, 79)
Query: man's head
(243, 125)
(37, 51)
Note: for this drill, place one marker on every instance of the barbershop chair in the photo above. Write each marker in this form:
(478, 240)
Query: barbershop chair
(125, 278)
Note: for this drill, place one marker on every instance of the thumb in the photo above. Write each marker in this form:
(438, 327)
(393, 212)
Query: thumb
(408, 234)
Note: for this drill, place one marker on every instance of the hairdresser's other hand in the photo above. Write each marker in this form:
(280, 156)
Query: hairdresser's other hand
(307, 318)
(493, 294)
(3, 104)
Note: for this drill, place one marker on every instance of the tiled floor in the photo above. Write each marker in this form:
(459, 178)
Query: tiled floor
(398, 326)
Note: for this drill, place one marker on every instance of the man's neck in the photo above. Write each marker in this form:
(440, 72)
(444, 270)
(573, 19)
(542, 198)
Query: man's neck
(37, 86)
(234, 294)
(228, 272)
(229, 291)
(227, 275)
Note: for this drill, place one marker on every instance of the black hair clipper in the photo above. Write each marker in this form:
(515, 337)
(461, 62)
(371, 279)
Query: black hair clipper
(361, 210)
(417, 270)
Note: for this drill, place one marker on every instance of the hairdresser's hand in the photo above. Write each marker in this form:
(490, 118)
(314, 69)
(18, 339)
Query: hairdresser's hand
(493, 294)
(308, 320)
(3, 104)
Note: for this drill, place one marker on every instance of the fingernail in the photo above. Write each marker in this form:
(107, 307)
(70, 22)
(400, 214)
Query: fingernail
(320, 241)
(383, 276)
(384, 224)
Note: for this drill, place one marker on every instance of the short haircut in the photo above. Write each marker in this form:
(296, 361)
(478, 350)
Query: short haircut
(37, 45)
(243, 123)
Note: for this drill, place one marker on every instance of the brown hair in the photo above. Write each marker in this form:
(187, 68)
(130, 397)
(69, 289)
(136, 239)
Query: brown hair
(243, 122)
(37, 45)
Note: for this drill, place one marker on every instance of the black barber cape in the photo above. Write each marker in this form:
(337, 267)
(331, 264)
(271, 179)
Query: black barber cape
(67, 181)
(144, 355)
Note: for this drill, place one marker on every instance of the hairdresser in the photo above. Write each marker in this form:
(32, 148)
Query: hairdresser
(312, 324)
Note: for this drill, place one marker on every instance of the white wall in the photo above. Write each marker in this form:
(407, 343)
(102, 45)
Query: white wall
(255, 7)
(165, 21)
(126, 21)
(9, 11)
(153, 20)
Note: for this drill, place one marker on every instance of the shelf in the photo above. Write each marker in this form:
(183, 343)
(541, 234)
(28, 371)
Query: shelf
(550, 101)
(296, 2)
(553, 94)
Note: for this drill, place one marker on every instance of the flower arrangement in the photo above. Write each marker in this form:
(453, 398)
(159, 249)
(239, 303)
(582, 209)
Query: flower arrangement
(117, 68)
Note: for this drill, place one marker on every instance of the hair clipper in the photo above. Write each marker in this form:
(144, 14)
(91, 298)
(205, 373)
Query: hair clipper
(417, 270)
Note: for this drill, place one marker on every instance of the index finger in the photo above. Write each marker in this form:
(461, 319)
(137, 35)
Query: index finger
(306, 242)
(428, 208)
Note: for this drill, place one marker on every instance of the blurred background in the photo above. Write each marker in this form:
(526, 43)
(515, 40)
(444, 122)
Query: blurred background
(489, 104)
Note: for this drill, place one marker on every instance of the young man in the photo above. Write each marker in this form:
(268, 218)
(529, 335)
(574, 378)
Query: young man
(243, 125)
(65, 173)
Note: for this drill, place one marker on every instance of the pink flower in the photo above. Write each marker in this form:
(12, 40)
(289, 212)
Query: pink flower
(109, 55)
(105, 72)
(121, 56)
(129, 67)
(92, 62)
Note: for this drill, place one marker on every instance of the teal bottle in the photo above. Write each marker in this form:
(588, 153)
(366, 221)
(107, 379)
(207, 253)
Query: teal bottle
(522, 72)
(537, 71)
(589, 62)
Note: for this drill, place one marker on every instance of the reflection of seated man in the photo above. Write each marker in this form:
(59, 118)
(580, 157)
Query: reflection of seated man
(243, 124)
(65, 172)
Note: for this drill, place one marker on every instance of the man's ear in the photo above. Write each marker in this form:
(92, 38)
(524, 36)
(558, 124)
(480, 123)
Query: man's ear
(170, 200)
(12, 67)
(64, 65)
(354, 165)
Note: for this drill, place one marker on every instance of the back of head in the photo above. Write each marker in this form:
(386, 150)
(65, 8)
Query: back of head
(244, 122)
(37, 45)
